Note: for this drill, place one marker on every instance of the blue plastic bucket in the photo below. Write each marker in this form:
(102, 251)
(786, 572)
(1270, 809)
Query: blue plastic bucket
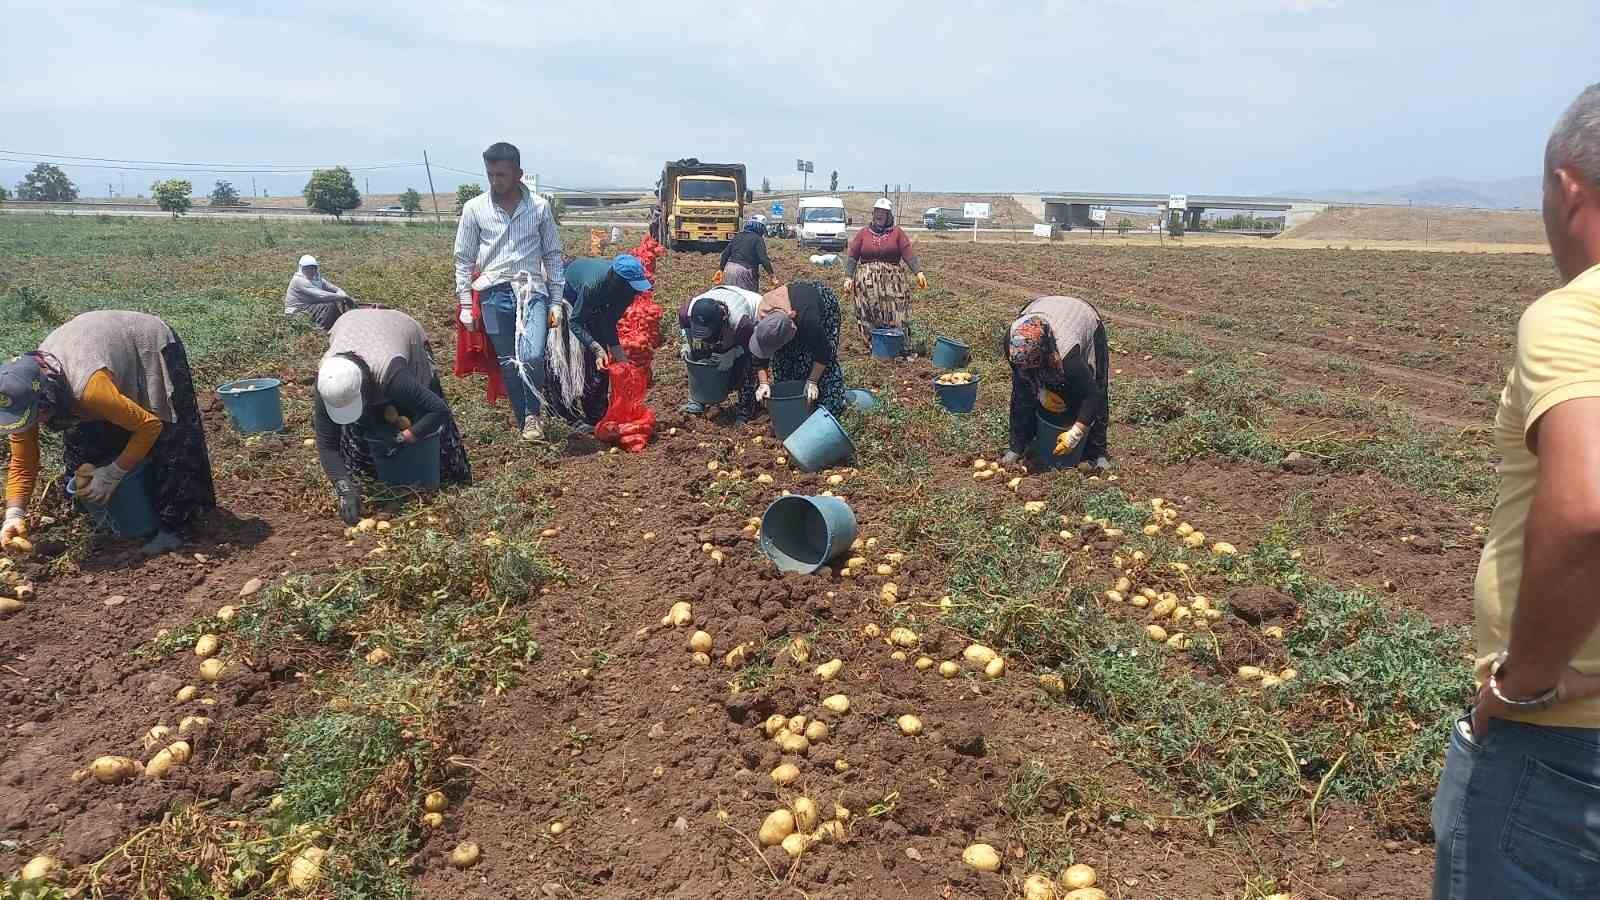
(707, 383)
(862, 399)
(949, 353)
(819, 442)
(254, 404)
(417, 465)
(1044, 445)
(888, 343)
(132, 510)
(801, 534)
(788, 407)
(957, 398)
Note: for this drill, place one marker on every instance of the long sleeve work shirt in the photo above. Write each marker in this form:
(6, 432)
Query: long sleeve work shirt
(497, 246)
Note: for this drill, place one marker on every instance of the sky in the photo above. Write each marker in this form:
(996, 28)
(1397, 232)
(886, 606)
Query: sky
(1197, 96)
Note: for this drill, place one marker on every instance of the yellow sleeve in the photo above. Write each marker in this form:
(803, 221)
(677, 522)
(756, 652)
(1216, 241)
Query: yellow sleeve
(23, 468)
(102, 401)
(1558, 351)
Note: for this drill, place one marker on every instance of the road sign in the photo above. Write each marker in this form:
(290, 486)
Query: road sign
(810, 167)
(974, 210)
(1178, 201)
(1097, 214)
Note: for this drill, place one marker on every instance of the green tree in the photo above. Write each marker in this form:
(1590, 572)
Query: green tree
(833, 180)
(4, 195)
(466, 192)
(224, 194)
(172, 196)
(46, 182)
(1124, 226)
(411, 200)
(332, 191)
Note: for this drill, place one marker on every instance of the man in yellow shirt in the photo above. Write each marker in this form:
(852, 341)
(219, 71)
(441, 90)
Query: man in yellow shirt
(1517, 814)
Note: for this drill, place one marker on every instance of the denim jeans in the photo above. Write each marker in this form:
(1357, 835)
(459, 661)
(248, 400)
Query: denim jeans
(1518, 814)
(499, 305)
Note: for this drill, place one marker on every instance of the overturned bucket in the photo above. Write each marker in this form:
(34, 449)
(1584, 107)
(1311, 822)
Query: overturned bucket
(788, 407)
(949, 353)
(888, 343)
(254, 404)
(707, 383)
(862, 399)
(802, 534)
(819, 442)
(131, 512)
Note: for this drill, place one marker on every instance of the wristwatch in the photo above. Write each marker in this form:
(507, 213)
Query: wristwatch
(1535, 704)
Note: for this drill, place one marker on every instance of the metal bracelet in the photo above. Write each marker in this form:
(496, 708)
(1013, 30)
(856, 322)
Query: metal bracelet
(1542, 701)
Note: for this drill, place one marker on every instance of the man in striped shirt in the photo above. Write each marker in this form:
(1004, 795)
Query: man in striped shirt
(508, 230)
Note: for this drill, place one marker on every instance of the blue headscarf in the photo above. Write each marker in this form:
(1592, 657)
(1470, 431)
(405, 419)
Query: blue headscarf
(755, 226)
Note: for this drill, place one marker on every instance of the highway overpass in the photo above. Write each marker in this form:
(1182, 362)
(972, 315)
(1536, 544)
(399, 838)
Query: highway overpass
(1072, 208)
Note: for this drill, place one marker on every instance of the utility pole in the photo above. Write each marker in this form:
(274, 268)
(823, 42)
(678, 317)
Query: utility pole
(369, 186)
(437, 222)
(253, 187)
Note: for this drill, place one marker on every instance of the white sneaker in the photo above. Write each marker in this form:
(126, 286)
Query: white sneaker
(532, 429)
(1102, 463)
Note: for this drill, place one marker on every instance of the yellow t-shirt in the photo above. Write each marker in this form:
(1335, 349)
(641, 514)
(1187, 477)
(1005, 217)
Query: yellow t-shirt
(1558, 359)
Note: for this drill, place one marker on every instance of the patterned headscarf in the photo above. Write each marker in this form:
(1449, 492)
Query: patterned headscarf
(1031, 346)
(55, 397)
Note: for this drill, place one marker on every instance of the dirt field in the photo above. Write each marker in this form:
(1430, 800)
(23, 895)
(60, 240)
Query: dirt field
(1323, 411)
(1474, 226)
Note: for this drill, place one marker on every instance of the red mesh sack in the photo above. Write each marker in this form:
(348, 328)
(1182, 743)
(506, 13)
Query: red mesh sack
(628, 422)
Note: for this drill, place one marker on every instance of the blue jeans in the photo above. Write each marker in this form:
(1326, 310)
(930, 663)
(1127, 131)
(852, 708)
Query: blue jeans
(1518, 814)
(499, 305)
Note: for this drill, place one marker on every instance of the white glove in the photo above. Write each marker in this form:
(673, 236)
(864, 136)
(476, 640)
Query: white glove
(811, 392)
(1011, 458)
(763, 392)
(601, 359)
(465, 317)
(16, 525)
(100, 489)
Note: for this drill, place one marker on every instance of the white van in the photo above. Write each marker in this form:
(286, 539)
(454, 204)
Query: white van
(820, 222)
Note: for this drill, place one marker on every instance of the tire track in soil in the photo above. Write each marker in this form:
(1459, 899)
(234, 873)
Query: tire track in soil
(1258, 346)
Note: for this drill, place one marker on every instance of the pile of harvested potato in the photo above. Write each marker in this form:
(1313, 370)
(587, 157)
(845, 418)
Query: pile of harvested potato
(795, 735)
(799, 826)
(985, 469)
(950, 378)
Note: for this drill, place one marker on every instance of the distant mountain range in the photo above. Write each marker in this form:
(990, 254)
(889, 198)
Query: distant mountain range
(1507, 193)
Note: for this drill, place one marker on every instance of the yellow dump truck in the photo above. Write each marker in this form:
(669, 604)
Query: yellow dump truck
(702, 204)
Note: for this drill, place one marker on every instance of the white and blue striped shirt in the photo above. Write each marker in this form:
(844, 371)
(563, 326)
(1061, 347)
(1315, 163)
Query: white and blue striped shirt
(498, 246)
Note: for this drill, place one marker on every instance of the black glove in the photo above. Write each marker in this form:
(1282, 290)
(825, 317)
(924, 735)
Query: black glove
(349, 502)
